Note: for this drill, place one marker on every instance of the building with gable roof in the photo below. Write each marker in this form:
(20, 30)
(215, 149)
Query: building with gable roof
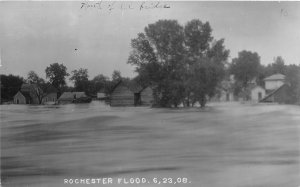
(73, 97)
(131, 94)
(32, 94)
(274, 82)
(277, 90)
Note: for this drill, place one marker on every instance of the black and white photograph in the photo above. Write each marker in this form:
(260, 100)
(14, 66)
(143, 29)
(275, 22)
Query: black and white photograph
(150, 93)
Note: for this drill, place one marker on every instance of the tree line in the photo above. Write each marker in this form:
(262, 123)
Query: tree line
(183, 64)
(56, 75)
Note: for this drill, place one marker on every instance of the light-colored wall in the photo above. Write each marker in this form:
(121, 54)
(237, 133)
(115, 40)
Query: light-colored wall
(273, 84)
(255, 92)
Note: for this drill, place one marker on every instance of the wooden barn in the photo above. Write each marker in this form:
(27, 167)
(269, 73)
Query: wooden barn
(131, 94)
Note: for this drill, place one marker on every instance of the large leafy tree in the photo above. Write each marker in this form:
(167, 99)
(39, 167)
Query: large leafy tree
(33, 78)
(10, 85)
(206, 60)
(169, 57)
(57, 73)
(158, 54)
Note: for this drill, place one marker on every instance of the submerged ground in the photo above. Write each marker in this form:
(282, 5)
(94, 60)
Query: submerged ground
(228, 145)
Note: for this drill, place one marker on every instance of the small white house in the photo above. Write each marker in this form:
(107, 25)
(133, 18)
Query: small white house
(274, 81)
(257, 93)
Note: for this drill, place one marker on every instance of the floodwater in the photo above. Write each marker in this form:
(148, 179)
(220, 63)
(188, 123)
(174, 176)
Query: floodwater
(227, 144)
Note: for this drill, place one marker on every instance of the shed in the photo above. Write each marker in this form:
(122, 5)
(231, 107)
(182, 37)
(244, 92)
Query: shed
(27, 94)
(131, 94)
(70, 97)
(51, 95)
(257, 93)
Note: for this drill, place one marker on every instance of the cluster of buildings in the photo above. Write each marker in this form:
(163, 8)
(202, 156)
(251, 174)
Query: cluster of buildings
(132, 94)
(275, 90)
(123, 94)
(32, 94)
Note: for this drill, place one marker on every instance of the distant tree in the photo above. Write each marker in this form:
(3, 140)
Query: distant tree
(40, 85)
(116, 76)
(57, 73)
(33, 78)
(10, 85)
(277, 66)
(80, 79)
(245, 67)
(68, 88)
(99, 82)
(293, 79)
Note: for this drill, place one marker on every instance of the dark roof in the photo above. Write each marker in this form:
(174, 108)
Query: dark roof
(70, 95)
(30, 87)
(277, 76)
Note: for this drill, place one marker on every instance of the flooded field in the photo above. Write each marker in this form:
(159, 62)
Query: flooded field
(228, 145)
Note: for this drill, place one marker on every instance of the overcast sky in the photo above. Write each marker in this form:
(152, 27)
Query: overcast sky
(35, 34)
